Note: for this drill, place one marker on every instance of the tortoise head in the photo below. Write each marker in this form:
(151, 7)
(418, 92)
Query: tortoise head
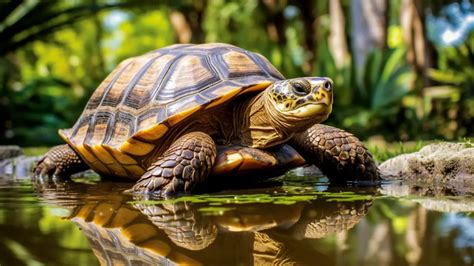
(296, 104)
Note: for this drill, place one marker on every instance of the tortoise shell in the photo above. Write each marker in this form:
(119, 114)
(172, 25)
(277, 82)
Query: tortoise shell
(136, 105)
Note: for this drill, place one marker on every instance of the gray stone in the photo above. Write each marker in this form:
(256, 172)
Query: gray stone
(20, 167)
(9, 151)
(446, 165)
(307, 171)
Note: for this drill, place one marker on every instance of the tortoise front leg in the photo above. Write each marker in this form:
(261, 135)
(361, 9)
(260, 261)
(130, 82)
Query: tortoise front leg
(60, 161)
(186, 163)
(337, 153)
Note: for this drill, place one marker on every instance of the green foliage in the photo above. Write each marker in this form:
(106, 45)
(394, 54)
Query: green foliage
(54, 55)
(55, 80)
(455, 94)
(387, 81)
(22, 22)
(40, 110)
(35, 151)
(368, 99)
(141, 33)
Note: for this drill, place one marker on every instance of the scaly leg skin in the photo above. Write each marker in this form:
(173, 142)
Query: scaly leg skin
(185, 164)
(337, 153)
(60, 161)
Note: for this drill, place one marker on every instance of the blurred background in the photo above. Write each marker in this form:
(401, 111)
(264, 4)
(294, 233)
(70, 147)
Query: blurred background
(403, 70)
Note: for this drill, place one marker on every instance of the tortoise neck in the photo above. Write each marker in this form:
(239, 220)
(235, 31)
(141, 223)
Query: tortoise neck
(254, 124)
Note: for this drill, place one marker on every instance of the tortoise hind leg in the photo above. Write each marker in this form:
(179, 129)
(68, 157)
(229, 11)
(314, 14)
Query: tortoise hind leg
(337, 153)
(60, 161)
(186, 163)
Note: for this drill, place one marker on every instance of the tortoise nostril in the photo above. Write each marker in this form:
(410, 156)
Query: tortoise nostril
(327, 85)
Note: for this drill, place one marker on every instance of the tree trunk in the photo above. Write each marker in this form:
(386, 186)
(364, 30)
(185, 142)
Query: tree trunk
(420, 53)
(369, 29)
(310, 23)
(99, 32)
(181, 27)
(337, 35)
(195, 19)
(275, 21)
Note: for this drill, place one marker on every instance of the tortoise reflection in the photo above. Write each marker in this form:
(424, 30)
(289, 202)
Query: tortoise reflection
(147, 232)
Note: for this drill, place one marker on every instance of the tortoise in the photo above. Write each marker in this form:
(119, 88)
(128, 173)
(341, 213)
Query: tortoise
(175, 116)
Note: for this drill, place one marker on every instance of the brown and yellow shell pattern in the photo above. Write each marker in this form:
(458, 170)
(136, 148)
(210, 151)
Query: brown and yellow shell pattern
(135, 106)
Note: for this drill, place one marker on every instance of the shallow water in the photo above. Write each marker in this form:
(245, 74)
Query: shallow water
(299, 220)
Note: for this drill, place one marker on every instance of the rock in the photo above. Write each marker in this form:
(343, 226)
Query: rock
(307, 171)
(19, 167)
(448, 165)
(10, 151)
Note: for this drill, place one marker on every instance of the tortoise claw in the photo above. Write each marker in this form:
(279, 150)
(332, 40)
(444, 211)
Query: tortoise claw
(158, 184)
(44, 167)
(44, 180)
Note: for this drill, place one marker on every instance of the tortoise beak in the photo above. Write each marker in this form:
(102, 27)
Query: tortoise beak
(313, 110)
(322, 92)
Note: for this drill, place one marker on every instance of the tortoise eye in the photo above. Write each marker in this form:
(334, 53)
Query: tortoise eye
(299, 88)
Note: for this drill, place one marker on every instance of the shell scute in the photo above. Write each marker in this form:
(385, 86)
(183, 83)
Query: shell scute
(105, 86)
(128, 79)
(190, 74)
(142, 92)
(237, 64)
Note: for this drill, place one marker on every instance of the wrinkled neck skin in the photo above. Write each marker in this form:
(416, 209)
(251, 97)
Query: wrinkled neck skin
(258, 124)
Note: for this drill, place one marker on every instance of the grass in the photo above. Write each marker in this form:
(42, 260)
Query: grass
(35, 151)
(382, 150)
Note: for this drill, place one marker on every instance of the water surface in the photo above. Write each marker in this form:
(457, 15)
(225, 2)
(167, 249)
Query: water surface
(299, 219)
